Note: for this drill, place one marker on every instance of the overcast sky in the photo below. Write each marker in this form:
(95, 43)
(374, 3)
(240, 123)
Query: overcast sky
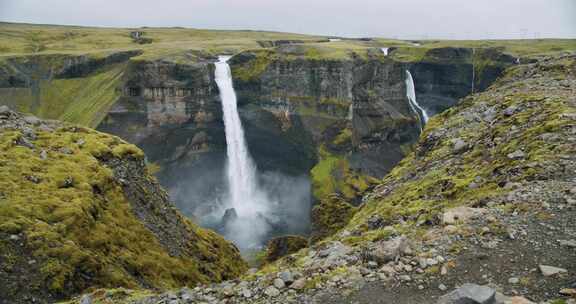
(409, 19)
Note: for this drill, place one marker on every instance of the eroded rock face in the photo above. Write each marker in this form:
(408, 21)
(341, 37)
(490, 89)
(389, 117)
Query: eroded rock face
(172, 111)
(311, 96)
(448, 74)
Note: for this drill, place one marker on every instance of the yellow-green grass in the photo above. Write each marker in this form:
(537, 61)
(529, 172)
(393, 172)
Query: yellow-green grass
(518, 48)
(29, 38)
(83, 100)
(77, 220)
(333, 175)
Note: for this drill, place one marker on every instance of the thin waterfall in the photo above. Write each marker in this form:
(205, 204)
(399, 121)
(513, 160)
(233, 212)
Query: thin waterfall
(385, 51)
(411, 94)
(245, 196)
(473, 70)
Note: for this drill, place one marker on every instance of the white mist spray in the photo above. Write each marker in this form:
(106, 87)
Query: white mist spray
(411, 94)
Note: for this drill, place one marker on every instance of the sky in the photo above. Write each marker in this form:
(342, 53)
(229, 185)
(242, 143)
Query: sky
(405, 19)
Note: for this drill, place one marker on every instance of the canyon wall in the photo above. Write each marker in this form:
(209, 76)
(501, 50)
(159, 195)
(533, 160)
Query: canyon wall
(340, 121)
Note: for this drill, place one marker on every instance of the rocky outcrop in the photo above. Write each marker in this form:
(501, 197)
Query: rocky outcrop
(78, 209)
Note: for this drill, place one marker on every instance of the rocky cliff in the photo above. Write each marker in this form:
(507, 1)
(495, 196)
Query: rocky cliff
(351, 115)
(79, 209)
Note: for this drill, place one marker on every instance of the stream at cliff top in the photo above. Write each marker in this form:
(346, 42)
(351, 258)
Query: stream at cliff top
(411, 94)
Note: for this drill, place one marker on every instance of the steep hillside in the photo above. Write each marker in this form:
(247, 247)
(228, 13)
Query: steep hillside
(487, 196)
(79, 210)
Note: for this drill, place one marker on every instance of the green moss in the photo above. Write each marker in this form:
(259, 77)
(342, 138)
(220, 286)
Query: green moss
(252, 69)
(343, 137)
(332, 174)
(77, 219)
(329, 216)
(84, 100)
(285, 245)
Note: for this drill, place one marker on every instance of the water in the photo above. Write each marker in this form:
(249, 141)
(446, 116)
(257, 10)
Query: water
(411, 94)
(245, 195)
(385, 51)
(473, 71)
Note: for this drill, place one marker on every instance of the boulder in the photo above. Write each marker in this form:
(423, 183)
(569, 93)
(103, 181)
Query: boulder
(86, 299)
(518, 300)
(548, 271)
(469, 294)
(386, 251)
(299, 284)
(286, 276)
(460, 214)
(459, 145)
(279, 283)
(516, 155)
(272, 291)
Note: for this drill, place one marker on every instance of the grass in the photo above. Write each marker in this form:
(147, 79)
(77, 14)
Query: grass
(166, 42)
(79, 225)
(83, 100)
(332, 174)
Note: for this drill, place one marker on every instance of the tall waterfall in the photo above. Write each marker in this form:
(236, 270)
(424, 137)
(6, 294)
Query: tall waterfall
(384, 51)
(473, 70)
(411, 94)
(245, 196)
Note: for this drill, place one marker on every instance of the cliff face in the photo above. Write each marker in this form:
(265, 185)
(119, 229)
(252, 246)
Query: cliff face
(342, 121)
(318, 100)
(172, 111)
(446, 75)
(78, 209)
(352, 115)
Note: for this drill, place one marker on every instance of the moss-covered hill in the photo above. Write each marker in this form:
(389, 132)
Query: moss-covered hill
(517, 135)
(79, 210)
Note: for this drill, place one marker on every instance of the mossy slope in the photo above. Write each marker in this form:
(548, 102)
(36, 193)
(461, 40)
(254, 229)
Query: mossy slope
(512, 133)
(78, 210)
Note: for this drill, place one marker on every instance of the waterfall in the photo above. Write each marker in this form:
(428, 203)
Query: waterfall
(245, 196)
(411, 94)
(473, 70)
(385, 51)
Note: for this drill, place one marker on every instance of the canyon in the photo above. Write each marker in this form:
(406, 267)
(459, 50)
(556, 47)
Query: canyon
(331, 126)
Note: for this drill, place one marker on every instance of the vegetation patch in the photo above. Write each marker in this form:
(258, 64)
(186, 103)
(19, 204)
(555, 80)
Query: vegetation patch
(79, 223)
